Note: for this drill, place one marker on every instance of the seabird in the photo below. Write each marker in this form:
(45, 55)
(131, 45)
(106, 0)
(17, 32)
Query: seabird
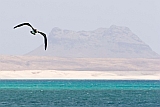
(34, 31)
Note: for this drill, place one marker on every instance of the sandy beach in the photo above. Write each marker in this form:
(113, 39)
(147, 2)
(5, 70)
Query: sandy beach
(101, 75)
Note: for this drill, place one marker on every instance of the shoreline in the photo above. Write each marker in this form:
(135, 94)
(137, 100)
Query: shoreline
(79, 75)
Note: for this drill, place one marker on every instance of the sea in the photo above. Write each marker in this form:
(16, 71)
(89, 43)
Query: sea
(79, 93)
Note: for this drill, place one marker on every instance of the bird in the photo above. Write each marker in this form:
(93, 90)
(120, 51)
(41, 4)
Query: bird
(34, 31)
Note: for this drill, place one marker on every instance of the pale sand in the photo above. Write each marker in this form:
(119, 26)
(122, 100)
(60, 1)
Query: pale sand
(106, 75)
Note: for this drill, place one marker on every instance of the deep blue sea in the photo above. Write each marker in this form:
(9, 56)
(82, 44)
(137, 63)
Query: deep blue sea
(79, 93)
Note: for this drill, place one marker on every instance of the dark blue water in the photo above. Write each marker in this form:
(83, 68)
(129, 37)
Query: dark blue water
(79, 93)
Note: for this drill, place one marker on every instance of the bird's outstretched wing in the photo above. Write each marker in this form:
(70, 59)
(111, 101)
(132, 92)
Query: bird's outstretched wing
(45, 38)
(23, 24)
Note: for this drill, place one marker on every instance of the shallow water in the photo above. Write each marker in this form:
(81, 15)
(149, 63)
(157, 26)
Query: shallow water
(79, 93)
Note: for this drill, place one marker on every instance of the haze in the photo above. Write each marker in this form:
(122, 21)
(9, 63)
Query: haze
(142, 17)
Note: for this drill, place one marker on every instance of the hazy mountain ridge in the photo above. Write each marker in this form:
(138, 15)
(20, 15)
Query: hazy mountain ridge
(113, 42)
(104, 49)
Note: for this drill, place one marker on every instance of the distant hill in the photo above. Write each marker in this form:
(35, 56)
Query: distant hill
(113, 42)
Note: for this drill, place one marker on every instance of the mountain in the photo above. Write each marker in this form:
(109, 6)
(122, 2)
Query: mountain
(113, 42)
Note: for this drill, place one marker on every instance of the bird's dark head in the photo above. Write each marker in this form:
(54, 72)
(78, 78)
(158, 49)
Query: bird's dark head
(33, 32)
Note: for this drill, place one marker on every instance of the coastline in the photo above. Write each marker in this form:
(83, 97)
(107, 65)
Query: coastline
(80, 75)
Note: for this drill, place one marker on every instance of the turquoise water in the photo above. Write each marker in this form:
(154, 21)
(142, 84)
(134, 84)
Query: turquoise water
(79, 93)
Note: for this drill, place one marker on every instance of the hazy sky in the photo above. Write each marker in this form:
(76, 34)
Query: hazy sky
(141, 16)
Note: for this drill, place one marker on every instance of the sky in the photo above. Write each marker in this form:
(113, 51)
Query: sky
(142, 17)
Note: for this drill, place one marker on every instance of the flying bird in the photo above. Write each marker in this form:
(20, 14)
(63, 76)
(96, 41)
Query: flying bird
(34, 31)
